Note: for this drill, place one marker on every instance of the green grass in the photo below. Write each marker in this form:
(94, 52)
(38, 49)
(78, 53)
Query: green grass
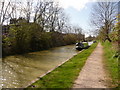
(64, 76)
(85, 44)
(111, 62)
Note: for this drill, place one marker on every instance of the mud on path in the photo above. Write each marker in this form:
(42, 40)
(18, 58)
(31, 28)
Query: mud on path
(93, 73)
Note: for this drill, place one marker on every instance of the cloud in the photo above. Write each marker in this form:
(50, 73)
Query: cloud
(77, 4)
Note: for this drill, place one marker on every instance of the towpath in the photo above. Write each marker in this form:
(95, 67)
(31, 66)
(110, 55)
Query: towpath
(93, 73)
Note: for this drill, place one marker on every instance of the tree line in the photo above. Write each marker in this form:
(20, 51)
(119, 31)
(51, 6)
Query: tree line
(35, 25)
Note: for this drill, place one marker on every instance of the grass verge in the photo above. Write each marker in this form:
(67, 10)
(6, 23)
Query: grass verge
(111, 62)
(64, 76)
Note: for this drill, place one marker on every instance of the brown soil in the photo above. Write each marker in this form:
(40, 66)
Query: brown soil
(93, 74)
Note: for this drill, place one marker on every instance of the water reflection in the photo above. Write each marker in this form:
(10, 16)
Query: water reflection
(19, 70)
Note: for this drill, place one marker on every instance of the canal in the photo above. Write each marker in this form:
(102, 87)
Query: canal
(19, 70)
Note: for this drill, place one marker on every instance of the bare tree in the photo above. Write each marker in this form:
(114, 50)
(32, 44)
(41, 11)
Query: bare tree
(54, 17)
(103, 16)
(78, 32)
(3, 11)
(8, 10)
(29, 10)
(43, 12)
(62, 22)
(47, 15)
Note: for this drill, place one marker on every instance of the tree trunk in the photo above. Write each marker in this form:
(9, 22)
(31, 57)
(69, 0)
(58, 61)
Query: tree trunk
(107, 38)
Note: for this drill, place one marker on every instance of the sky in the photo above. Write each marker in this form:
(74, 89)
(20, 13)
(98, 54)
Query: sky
(78, 11)
(80, 17)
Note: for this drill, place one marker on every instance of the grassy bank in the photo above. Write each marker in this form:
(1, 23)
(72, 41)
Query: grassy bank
(111, 62)
(64, 76)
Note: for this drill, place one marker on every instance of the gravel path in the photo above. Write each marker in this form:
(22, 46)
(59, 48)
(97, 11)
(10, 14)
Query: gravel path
(93, 74)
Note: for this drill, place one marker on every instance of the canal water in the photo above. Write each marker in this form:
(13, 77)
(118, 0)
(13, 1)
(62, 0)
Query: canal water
(19, 70)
